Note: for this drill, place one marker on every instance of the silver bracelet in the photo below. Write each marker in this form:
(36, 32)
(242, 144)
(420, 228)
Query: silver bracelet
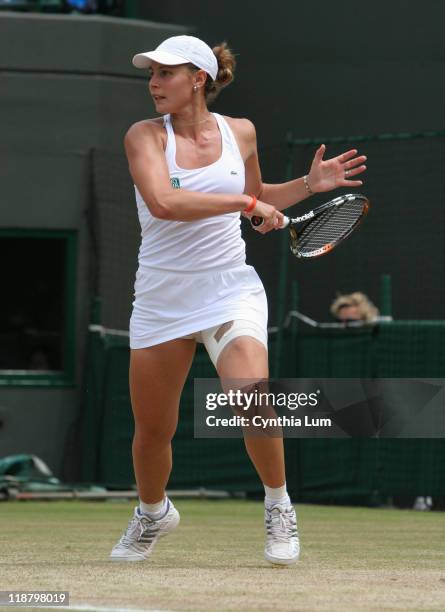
(306, 184)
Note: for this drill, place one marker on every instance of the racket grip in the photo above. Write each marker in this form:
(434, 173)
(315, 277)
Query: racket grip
(257, 221)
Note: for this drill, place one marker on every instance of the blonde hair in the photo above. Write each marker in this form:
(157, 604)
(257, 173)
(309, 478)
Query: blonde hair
(368, 312)
(226, 72)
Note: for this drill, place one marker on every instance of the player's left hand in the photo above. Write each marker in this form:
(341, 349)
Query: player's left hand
(325, 175)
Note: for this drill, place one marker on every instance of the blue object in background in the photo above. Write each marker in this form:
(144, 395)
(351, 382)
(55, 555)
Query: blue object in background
(82, 5)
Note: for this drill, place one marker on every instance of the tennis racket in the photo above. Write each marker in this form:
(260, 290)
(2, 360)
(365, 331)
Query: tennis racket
(320, 230)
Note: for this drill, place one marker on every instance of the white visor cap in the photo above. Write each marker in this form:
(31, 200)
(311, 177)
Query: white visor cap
(180, 50)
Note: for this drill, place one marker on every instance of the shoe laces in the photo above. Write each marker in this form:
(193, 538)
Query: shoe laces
(136, 523)
(280, 524)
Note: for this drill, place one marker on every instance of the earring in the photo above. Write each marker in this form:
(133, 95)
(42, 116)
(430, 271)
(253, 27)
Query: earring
(195, 88)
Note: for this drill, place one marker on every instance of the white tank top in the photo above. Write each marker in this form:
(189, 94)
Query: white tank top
(214, 243)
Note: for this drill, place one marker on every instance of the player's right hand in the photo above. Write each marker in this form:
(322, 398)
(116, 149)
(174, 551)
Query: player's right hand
(273, 218)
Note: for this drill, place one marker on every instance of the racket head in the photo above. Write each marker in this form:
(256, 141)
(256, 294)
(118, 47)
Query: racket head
(329, 226)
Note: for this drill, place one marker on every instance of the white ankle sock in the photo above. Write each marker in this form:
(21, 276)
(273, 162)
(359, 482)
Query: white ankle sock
(154, 511)
(276, 496)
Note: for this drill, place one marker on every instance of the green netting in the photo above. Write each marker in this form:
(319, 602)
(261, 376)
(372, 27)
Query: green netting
(334, 470)
(352, 470)
(109, 429)
(417, 467)
(368, 470)
(332, 353)
(422, 346)
(401, 236)
(208, 461)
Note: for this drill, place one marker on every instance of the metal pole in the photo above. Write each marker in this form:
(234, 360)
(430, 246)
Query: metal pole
(385, 296)
(294, 331)
(96, 311)
(282, 283)
(131, 9)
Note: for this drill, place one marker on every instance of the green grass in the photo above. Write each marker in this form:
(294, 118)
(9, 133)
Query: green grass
(352, 558)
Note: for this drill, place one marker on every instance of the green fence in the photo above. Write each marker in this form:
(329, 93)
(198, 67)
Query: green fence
(369, 470)
(363, 470)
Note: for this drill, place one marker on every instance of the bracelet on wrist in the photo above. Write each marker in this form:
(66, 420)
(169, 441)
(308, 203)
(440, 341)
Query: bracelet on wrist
(251, 204)
(306, 184)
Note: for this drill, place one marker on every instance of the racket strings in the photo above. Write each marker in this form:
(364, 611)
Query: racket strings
(329, 227)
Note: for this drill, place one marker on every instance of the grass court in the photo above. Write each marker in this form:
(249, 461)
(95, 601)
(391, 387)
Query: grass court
(352, 558)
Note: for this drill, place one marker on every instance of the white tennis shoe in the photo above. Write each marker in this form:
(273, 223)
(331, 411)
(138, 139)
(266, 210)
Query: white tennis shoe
(142, 534)
(282, 543)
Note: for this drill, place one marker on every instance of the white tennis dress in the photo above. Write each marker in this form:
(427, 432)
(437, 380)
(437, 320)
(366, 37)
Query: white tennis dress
(193, 275)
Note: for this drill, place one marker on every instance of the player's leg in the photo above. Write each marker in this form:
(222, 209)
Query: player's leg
(157, 377)
(246, 355)
(239, 356)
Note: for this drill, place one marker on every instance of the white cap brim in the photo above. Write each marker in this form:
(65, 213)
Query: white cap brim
(143, 60)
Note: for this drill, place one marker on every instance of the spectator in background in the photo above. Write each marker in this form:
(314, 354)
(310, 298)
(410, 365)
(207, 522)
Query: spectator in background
(354, 307)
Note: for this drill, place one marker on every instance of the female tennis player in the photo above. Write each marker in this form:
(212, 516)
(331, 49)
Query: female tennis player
(195, 172)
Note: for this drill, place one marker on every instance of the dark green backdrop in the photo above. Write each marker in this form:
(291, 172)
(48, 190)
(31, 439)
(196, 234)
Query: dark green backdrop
(343, 69)
(362, 470)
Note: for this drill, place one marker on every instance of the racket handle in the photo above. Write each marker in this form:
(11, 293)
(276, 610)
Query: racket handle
(257, 221)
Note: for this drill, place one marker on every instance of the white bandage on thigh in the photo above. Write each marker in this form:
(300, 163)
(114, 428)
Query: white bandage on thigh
(215, 339)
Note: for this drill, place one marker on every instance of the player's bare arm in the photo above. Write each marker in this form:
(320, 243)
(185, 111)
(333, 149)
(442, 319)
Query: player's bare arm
(145, 153)
(324, 175)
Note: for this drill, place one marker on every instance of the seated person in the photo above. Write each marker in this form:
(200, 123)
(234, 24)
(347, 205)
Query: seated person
(354, 307)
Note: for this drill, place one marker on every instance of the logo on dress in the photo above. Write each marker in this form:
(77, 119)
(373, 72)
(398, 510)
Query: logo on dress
(175, 183)
(234, 172)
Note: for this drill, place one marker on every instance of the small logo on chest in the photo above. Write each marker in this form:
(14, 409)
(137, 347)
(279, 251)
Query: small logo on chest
(175, 183)
(234, 172)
